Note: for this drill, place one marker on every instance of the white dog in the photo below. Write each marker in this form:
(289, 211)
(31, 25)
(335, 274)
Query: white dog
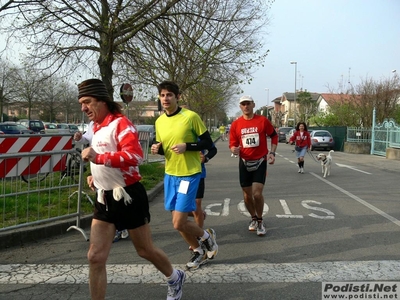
(326, 162)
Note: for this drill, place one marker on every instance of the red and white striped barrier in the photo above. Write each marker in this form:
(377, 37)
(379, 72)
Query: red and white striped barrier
(27, 165)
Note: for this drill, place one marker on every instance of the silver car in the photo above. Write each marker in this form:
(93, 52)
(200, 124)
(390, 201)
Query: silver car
(289, 135)
(322, 139)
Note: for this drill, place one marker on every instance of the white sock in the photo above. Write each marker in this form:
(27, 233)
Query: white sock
(174, 276)
(199, 249)
(205, 236)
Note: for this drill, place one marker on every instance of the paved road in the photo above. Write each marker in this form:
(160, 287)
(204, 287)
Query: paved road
(344, 228)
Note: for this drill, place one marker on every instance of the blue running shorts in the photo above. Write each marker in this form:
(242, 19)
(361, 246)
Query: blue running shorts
(180, 192)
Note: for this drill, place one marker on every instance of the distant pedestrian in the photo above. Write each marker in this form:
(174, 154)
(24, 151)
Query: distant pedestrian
(302, 140)
(222, 133)
(115, 155)
(248, 139)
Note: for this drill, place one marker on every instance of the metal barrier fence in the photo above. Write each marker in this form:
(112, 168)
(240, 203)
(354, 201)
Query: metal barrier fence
(42, 186)
(50, 189)
(359, 135)
(144, 139)
(381, 136)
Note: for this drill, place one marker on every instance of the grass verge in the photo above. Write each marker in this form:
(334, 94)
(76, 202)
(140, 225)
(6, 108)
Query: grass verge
(55, 196)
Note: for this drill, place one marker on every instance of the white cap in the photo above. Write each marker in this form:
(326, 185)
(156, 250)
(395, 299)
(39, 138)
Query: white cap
(245, 98)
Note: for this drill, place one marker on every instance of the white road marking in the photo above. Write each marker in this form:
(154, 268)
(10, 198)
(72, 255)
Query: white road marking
(212, 273)
(352, 168)
(358, 199)
(288, 214)
(243, 210)
(330, 215)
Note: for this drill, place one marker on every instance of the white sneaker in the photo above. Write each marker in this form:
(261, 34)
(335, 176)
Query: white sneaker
(253, 225)
(261, 229)
(175, 289)
(196, 260)
(124, 233)
(299, 171)
(302, 171)
(211, 244)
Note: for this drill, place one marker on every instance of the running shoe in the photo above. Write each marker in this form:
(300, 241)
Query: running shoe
(175, 289)
(124, 233)
(261, 229)
(197, 260)
(299, 170)
(117, 236)
(302, 170)
(253, 225)
(211, 244)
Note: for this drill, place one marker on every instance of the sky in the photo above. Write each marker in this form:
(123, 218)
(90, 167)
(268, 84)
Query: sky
(332, 41)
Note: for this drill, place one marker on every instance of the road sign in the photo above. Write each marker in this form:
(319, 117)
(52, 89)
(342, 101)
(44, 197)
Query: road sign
(126, 92)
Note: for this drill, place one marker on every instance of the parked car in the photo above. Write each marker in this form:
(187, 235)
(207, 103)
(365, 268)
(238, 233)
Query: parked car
(289, 135)
(82, 127)
(73, 128)
(36, 125)
(50, 127)
(63, 128)
(6, 128)
(322, 139)
(282, 133)
(151, 129)
(22, 129)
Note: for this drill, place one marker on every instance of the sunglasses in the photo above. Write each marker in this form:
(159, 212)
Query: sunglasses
(244, 103)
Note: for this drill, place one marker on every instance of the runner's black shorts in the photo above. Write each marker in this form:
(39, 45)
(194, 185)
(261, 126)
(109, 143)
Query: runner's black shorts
(129, 216)
(200, 189)
(247, 178)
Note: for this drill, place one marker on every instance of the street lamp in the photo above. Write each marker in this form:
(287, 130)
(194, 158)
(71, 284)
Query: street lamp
(295, 79)
(268, 115)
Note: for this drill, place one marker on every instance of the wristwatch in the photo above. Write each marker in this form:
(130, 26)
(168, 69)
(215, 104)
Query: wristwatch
(273, 153)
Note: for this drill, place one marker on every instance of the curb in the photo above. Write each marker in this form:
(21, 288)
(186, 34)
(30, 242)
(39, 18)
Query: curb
(33, 234)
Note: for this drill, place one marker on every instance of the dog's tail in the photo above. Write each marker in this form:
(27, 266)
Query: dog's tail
(331, 151)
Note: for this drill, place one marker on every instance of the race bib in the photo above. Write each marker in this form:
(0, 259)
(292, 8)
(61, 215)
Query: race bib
(250, 140)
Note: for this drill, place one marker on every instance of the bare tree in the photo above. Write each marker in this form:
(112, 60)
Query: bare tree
(82, 33)
(70, 106)
(79, 34)
(217, 44)
(355, 107)
(6, 85)
(11, 4)
(29, 90)
(307, 107)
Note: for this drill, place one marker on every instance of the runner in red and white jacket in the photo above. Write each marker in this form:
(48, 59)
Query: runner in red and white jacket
(115, 155)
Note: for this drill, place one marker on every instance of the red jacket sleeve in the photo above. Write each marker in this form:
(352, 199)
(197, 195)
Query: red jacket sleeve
(233, 138)
(129, 152)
